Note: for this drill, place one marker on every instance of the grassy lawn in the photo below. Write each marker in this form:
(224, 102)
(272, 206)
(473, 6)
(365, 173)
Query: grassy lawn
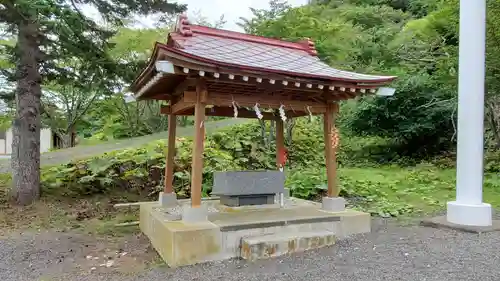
(392, 191)
(92, 215)
(425, 189)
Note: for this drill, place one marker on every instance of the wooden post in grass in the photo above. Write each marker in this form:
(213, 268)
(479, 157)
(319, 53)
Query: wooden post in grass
(330, 115)
(199, 135)
(169, 167)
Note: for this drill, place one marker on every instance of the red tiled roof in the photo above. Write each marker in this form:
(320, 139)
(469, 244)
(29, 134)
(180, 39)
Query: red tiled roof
(228, 48)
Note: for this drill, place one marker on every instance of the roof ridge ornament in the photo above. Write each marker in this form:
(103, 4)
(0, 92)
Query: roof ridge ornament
(309, 45)
(183, 26)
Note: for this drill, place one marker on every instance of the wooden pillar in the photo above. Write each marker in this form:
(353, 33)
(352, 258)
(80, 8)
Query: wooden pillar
(169, 167)
(330, 115)
(280, 141)
(199, 135)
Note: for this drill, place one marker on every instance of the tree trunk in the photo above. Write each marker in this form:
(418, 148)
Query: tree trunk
(66, 139)
(26, 125)
(493, 118)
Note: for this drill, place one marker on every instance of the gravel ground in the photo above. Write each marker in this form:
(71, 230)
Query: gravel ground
(390, 252)
(84, 151)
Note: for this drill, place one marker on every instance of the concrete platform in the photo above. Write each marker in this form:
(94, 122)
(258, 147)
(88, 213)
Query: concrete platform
(441, 222)
(274, 245)
(180, 243)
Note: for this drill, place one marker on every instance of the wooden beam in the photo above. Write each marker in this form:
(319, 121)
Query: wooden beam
(161, 97)
(218, 99)
(199, 135)
(169, 167)
(192, 96)
(330, 152)
(280, 141)
(183, 86)
(180, 106)
(182, 103)
(263, 84)
(242, 113)
(228, 112)
(165, 110)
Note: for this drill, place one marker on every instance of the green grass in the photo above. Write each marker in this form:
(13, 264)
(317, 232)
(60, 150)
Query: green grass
(426, 189)
(396, 191)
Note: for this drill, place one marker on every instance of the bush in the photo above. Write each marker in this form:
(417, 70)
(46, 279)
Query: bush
(141, 170)
(138, 170)
(362, 193)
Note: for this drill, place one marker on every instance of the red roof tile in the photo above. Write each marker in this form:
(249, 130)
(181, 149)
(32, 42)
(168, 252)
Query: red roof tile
(257, 53)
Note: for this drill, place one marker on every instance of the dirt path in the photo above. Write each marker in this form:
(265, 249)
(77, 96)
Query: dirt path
(390, 252)
(66, 155)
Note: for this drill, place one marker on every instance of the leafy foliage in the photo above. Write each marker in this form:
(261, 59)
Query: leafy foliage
(415, 40)
(380, 190)
(49, 34)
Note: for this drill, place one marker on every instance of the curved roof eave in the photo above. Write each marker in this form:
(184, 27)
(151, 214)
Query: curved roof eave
(150, 67)
(386, 79)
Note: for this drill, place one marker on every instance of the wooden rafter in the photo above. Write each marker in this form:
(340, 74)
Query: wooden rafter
(229, 112)
(218, 99)
(180, 106)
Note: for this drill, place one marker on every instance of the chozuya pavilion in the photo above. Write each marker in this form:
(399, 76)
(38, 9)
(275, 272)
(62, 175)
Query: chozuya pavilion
(204, 71)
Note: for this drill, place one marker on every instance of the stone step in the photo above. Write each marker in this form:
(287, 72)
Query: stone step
(274, 245)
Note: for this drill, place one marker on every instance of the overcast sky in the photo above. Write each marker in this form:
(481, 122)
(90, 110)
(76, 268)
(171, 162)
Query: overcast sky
(212, 10)
(231, 9)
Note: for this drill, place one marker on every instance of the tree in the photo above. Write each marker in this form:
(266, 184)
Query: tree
(199, 19)
(261, 16)
(382, 36)
(48, 31)
(63, 106)
(133, 46)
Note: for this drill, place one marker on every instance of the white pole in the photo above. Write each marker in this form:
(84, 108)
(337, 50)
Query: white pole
(469, 209)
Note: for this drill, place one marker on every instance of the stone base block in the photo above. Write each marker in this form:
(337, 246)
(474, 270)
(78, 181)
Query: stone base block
(274, 245)
(248, 182)
(194, 215)
(442, 222)
(353, 222)
(472, 215)
(179, 243)
(246, 200)
(305, 226)
(333, 204)
(167, 200)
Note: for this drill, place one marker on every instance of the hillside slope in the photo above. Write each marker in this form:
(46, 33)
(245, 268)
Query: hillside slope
(84, 151)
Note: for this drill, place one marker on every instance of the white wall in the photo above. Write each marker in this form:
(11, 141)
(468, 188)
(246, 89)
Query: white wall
(2, 146)
(45, 141)
(8, 141)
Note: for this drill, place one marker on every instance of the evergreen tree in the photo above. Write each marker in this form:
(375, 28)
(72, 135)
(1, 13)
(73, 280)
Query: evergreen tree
(48, 32)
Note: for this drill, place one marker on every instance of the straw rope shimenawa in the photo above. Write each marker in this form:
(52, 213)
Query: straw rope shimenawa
(335, 139)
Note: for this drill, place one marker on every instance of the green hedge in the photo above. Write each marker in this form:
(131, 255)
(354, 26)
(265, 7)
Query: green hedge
(140, 170)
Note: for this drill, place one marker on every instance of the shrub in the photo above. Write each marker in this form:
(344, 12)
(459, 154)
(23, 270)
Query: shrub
(241, 147)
